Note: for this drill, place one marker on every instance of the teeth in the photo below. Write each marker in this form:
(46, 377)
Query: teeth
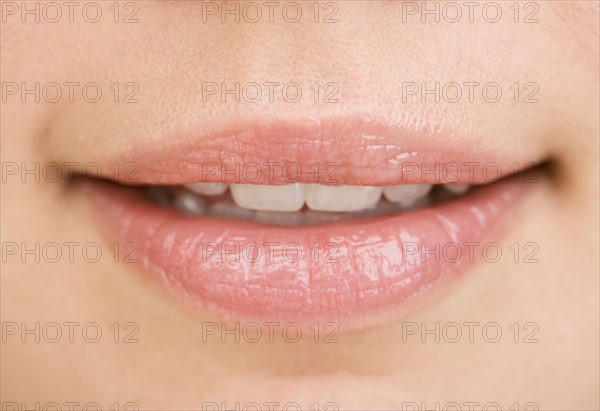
(207, 189)
(406, 194)
(418, 203)
(274, 217)
(268, 198)
(314, 217)
(227, 209)
(341, 198)
(457, 189)
(189, 203)
(279, 204)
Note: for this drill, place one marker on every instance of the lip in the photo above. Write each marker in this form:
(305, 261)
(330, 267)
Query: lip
(354, 272)
(331, 151)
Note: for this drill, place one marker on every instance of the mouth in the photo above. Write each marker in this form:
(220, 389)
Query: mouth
(346, 222)
(298, 204)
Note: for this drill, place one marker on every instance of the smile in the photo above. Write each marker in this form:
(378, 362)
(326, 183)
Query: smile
(372, 221)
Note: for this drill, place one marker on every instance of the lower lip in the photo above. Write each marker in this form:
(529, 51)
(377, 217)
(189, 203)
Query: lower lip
(353, 272)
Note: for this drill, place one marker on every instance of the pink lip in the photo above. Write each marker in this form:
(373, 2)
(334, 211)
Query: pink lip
(345, 271)
(342, 271)
(333, 151)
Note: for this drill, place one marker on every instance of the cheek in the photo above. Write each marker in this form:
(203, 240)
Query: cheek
(577, 29)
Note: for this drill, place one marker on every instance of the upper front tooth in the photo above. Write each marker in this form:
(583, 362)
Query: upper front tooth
(406, 193)
(268, 198)
(208, 189)
(457, 189)
(340, 198)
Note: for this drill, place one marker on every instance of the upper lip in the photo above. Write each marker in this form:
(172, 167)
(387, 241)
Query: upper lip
(331, 151)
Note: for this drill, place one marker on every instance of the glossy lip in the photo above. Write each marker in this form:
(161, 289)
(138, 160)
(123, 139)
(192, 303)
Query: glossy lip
(353, 272)
(331, 151)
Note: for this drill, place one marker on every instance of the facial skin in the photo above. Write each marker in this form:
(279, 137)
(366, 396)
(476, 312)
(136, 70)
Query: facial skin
(370, 54)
